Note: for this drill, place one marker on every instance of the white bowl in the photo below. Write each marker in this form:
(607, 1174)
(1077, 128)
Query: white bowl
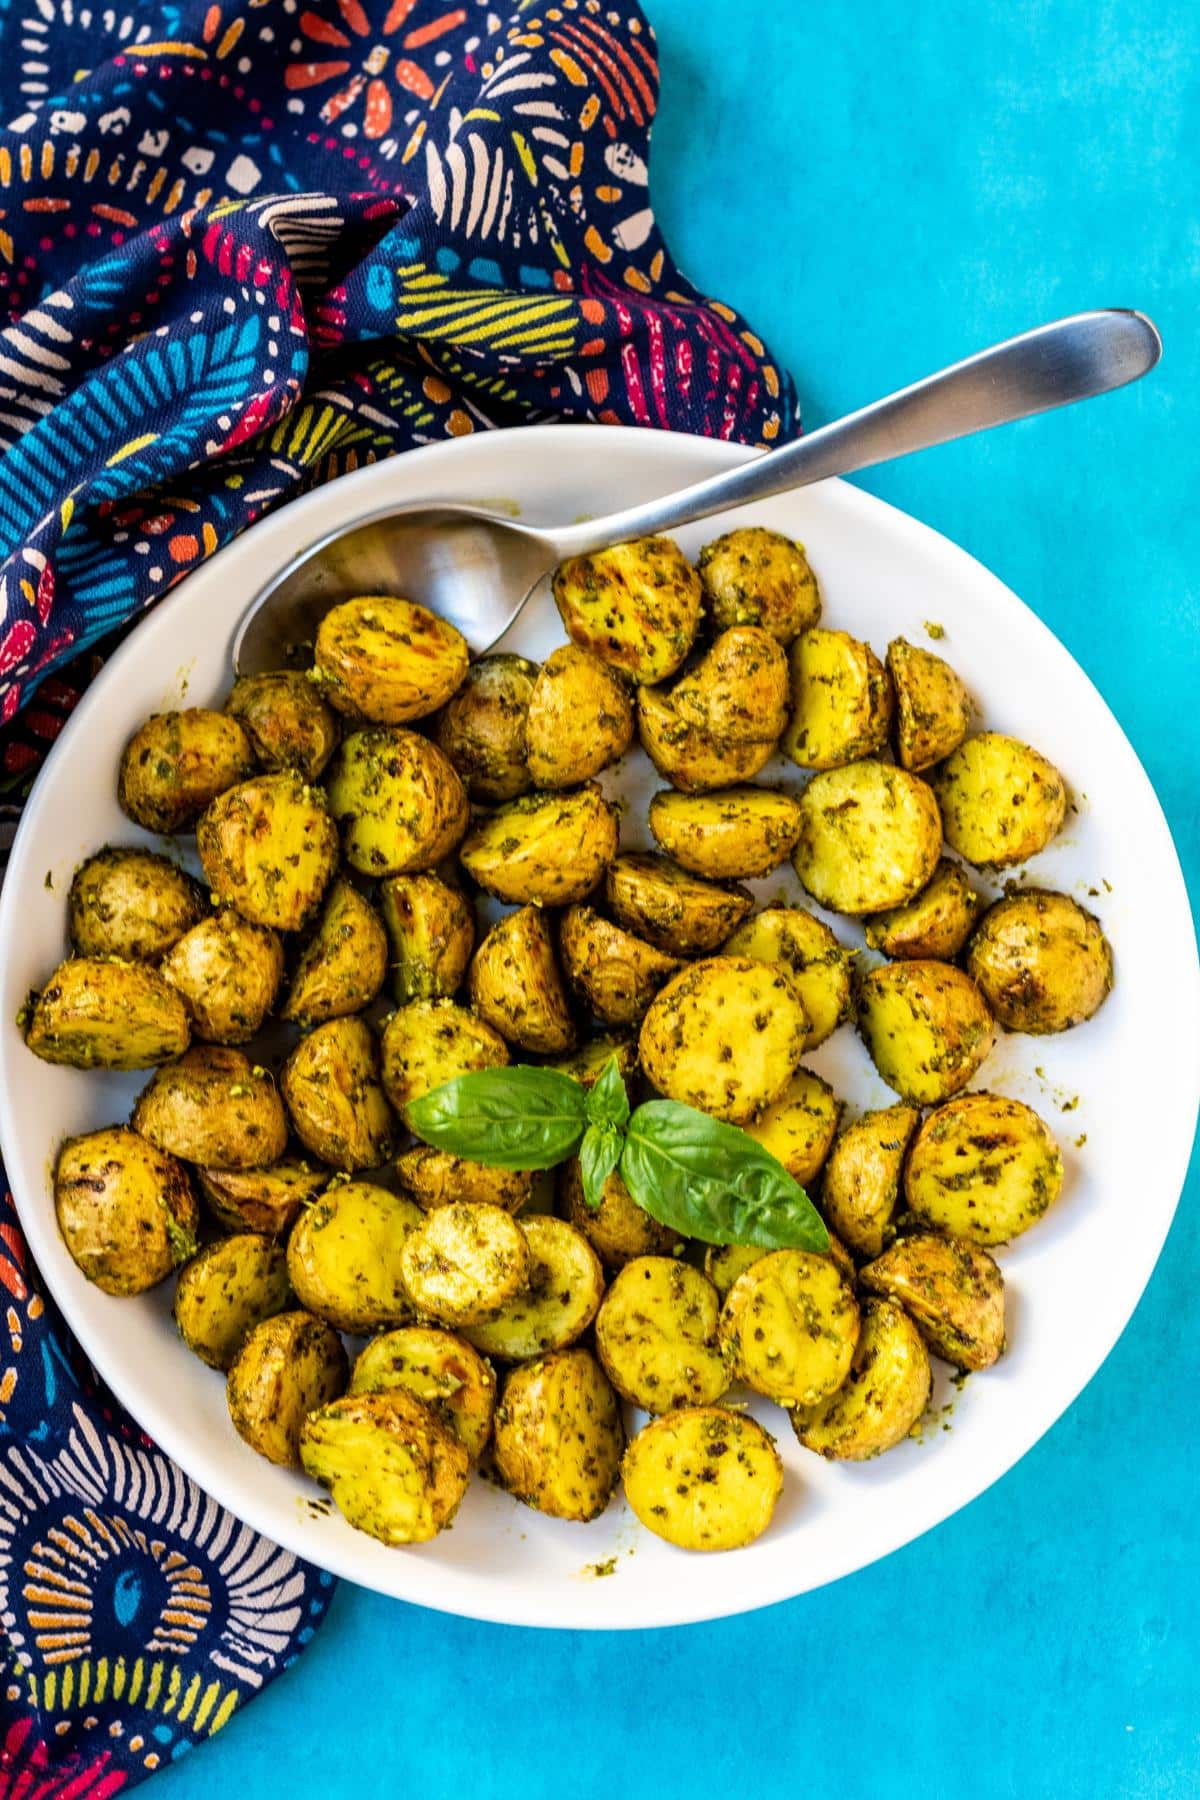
(1127, 1081)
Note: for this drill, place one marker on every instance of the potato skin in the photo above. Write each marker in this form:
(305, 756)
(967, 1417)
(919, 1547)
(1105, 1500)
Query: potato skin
(228, 972)
(689, 759)
(227, 1288)
(515, 984)
(463, 1262)
(547, 849)
(841, 700)
(861, 1184)
(335, 1095)
(983, 1168)
(1001, 802)
(738, 692)
(131, 904)
(269, 849)
(266, 1200)
(177, 763)
(614, 972)
(753, 576)
(799, 1127)
(703, 1478)
(482, 729)
(439, 1369)
(789, 1327)
(726, 1036)
(286, 1367)
(580, 719)
(819, 966)
(656, 1335)
(618, 1230)
(936, 924)
(399, 802)
(435, 1178)
(395, 1469)
(344, 963)
(562, 1294)
(887, 1391)
(870, 837)
(432, 1041)
(286, 720)
(676, 912)
(387, 660)
(933, 708)
(97, 1013)
(211, 1107)
(558, 1435)
(952, 1291)
(343, 1256)
(1042, 961)
(737, 835)
(125, 1209)
(588, 1063)
(926, 1028)
(431, 930)
(634, 605)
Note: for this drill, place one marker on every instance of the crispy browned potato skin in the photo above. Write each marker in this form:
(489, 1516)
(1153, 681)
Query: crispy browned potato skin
(740, 834)
(286, 720)
(656, 1335)
(820, 967)
(753, 576)
(738, 692)
(1042, 961)
(177, 763)
(547, 849)
(933, 708)
(431, 931)
(1001, 801)
(286, 1368)
(703, 1478)
(387, 660)
(789, 1327)
(126, 1210)
(431, 1041)
(675, 911)
(515, 984)
(343, 965)
(213, 1108)
(226, 1289)
(689, 759)
(343, 1256)
(99, 1013)
(398, 800)
(394, 1467)
(436, 1178)
(482, 729)
(333, 1086)
(841, 698)
(887, 1391)
(439, 1369)
(464, 1262)
(615, 972)
(131, 904)
(619, 1229)
(266, 1200)
(936, 923)
(228, 972)
(580, 718)
(951, 1289)
(983, 1167)
(558, 1435)
(926, 1027)
(635, 605)
(725, 1035)
(269, 849)
(861, 1183)
(870, 837)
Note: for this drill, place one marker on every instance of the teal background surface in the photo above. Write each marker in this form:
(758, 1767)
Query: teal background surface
(882, 189)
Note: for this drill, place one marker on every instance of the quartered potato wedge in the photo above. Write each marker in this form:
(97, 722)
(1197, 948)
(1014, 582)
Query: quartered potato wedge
(482, 729)
(841, 700)
(613, 970)
(228, 973)
(288, 1368)
(266, 1200)
(689, 758)
(516, 987)
(936, 923)
(952, 1291)
(436, 1178)
(343, 965)
(335, 1091)
(737, 835)
(861, 1184)
(738, 692)
(933, 708)
(580, 719)
(431, 930)
(678, 913)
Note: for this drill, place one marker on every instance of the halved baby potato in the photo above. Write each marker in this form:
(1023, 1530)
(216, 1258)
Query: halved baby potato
(753, 576)
(344, 1256)
(558, 1436)
(886, 1392)
(1042, 961)
(1001, 802)
(984, 1168)
(656, 1335)
(725, 1035)
(703, 1478)
(228, 972)
(516, 987)
(926, 1027)
(561, 1297)
(952, 1291)
(125, 1209)
(819, 966)
(861, 1184)
(615, 972)
(213, 1108)
(131, 904)
(343, 965)
(799, 1127)
(266, 1200)
(936, 924)
(933, 708)
(431, 929)
(580, 718)
(841, 700)
(269, 849)
(98, 1013)
(177, 763)
(737, 835)
(548, 849)
(287, 1367)
(587, 1064)
(335, 1094)
(688, 758)
(619, 1229)
(676, 912)
(387, 660)
(399, 802)
(723, 1263)
(463, 1263)
(436, 1178)
(870, 836)
(226, 1289)
(286, 720)
(437, 1368)
(482, 729)
(432, 1041)
(738, 692)
(395, 1469)
(634, 605)
(789, 1327)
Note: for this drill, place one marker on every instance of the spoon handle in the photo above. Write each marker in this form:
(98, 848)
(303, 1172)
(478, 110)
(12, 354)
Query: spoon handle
(1072, 359)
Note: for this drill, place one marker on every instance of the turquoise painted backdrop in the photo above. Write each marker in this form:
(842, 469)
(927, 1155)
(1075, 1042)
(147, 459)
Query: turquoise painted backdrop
(880, 189)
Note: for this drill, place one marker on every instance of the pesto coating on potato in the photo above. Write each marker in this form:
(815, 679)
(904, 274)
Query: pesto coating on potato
(870, 836)
(558, 1435)
(887, 1391)
(799, 1127)
(438, 1368)
(753, 576)
(399, 802)
(1042, 961)
(463, 1262)
(225, 1290)
(789, 1327)
(131, 904)
(332, 1082)
(516, 986)
(343, 965)
(286, 720)
(588, 1063)
(99, 1013)
(952, 1291)
(936, 923)
(125, 1209)
(387, 660)
(703, 1478)
(547, 849)
(739, 834)
(841, 700)
(1001, 801)
(820, 967)
(431, 932)
(432, 1041)
(689, 758)
(723, 1263)
(861, 1184)
(482, 729)
(436, 1178)
(926, 1027)
(228, 972)
(287, 1368)
(618, 1229)
(725, 1036)
(177, 763)
(560, 1299)
(267, 1200)
(613, 971)
(580, 718)
(738, 692)
(983, 1167)
(933, 708)
(214, 1108)
(269, 849)
(656, 1335)
(343, 1256)
(676, 912)
(393, 1466)
(634, 605)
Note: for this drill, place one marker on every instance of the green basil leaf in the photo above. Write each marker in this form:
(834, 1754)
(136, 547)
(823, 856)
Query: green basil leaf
(712, 1181)
(599, 1154)
(607, 1101)
(518, 1118)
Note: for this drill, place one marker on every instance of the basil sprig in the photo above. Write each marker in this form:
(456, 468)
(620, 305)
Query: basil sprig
(702, 1178)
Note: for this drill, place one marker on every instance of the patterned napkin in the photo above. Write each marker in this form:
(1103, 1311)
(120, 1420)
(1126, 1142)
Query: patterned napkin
(246, 247)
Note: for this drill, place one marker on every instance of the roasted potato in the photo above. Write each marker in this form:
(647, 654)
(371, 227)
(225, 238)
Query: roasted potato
(614, 972)
(559, 1437)
(1042, 962)
(634, 605)
(269, 848)
(343, 965)
(861, 1184)
(587, 1064)
(464, 1262)
(515, 984)
(439, 1369)
(399, 802)
(286, 1368)
(740, 834)
(753, 576)
(131, 904)
(286, 720)
(228, 972)
(726, 1036)
(619, 1229)
(432, 1041)
(887, 1391)
(983, 1168)
(841, 700)
(482, 729)
(738, 692)
(656, 1334)
(435, 1178)
(98, 1013)
(125, 1209)
(926, 1028)
(819, 966)
(547, 849)
(177, 763)
(343, 1256)
(580, 719)
(431, 930)
(799, 1128)
(789, 1327)
(265, 1200)
(952, 1291)
(870, 836)
(676, 912)
(213, 1108)
(561, 1297)
(395, 1469)
(689, 759)
(1001, 801)
(703, 1478)
(335, 1095)
(723, 1263)
(936, 924)
(225, 1290)
(387, 660)
(933, 708)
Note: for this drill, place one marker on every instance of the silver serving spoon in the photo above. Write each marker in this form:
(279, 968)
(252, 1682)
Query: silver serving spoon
(478, 570)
